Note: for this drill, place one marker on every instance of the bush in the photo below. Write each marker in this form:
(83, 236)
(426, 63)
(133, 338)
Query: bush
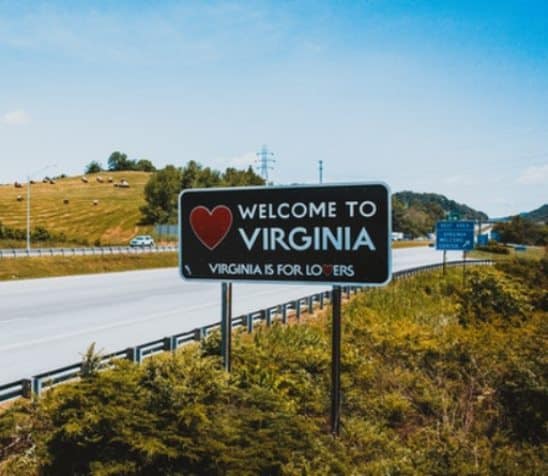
(93, 167)
(494, 247)
(422, 394)
(490, 295)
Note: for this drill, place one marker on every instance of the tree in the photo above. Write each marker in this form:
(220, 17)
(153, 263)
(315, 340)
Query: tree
(94, 167)
(236, 178)
(164, 186)
(119, 161)
(145, 165)
(161, 193)
(522, 230)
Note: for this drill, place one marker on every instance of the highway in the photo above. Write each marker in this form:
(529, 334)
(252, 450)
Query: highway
(48, 323)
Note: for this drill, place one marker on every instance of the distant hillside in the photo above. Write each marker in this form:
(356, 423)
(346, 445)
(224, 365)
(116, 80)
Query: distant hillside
(416, 214)
(539, 214)
(113, 220)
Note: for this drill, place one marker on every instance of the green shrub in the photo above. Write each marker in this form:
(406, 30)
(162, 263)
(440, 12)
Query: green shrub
(421, 394)
(490, 295)
(494, 247)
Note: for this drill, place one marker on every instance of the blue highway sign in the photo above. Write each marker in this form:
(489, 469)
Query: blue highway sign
(455, 235)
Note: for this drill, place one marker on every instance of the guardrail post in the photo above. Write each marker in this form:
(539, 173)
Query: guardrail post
(249, 322)
(26, 388)
(298, 309)
(268, 316)
(170, 344)
(310, 304)
(284, 313)
(321, 300)
(199, 334)
(131, 354)
(36, 386)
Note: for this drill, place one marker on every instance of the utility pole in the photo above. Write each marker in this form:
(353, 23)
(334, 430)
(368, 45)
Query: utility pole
(28, 214)
(264, 162)
(29, 176)
(320, 167)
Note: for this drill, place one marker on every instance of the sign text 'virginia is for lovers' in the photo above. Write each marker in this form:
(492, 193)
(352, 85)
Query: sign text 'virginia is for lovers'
(330, 233)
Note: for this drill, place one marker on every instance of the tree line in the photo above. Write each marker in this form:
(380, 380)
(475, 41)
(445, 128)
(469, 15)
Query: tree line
(118, 161)
(164, 186)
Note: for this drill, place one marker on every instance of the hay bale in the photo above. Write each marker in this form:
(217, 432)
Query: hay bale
(99, 179)
(84, 179)
(19, 198)
(18, 185)
(110, 180)
(66, 201)
(95, 203)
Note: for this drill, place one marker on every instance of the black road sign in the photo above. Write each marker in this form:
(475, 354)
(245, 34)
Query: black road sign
(330, 234)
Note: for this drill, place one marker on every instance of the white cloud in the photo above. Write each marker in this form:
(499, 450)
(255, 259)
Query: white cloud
(16, 118)
(534, 175)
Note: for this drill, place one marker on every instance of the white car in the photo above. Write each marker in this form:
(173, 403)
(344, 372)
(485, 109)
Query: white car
(142, 241)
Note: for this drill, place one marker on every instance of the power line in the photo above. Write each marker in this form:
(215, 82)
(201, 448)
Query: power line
(265, 161)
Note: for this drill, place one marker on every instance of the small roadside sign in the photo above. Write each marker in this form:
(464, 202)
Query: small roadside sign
(337, 234)
(455, 235)
(483, 240)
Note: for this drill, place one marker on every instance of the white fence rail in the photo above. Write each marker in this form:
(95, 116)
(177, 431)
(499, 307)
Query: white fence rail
(84, 251)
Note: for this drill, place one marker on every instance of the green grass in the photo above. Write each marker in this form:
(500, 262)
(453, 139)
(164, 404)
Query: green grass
(532, 252)
(25, 268)
(113, 221)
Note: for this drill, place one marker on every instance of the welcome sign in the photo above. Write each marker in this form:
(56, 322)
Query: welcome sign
(329, 233)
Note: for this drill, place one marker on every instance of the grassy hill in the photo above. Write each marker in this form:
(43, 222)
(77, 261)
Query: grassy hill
(540, 214)
(114, 220)
(416, 214)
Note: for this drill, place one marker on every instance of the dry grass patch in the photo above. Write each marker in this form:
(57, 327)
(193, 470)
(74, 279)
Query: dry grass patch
(24, 268)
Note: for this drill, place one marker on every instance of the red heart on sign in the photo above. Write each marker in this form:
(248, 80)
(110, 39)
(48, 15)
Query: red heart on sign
(211, 227)
(327, 269)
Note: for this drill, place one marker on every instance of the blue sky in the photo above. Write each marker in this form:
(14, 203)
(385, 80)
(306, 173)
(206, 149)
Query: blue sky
(431, 96)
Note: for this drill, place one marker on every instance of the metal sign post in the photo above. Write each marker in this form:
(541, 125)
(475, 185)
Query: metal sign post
(444, 260)
(463, 267)
(336, 361)
(226, 325)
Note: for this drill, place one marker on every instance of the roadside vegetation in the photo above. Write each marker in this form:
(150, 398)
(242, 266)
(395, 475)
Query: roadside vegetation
(500, 252)
(524, 231)
(51, 266)
(438, 378)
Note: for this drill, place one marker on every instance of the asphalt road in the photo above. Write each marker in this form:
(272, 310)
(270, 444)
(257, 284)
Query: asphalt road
(48, 323)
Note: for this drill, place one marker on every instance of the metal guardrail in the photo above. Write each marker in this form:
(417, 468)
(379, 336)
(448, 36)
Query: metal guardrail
(82, 251)
(281, 312)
